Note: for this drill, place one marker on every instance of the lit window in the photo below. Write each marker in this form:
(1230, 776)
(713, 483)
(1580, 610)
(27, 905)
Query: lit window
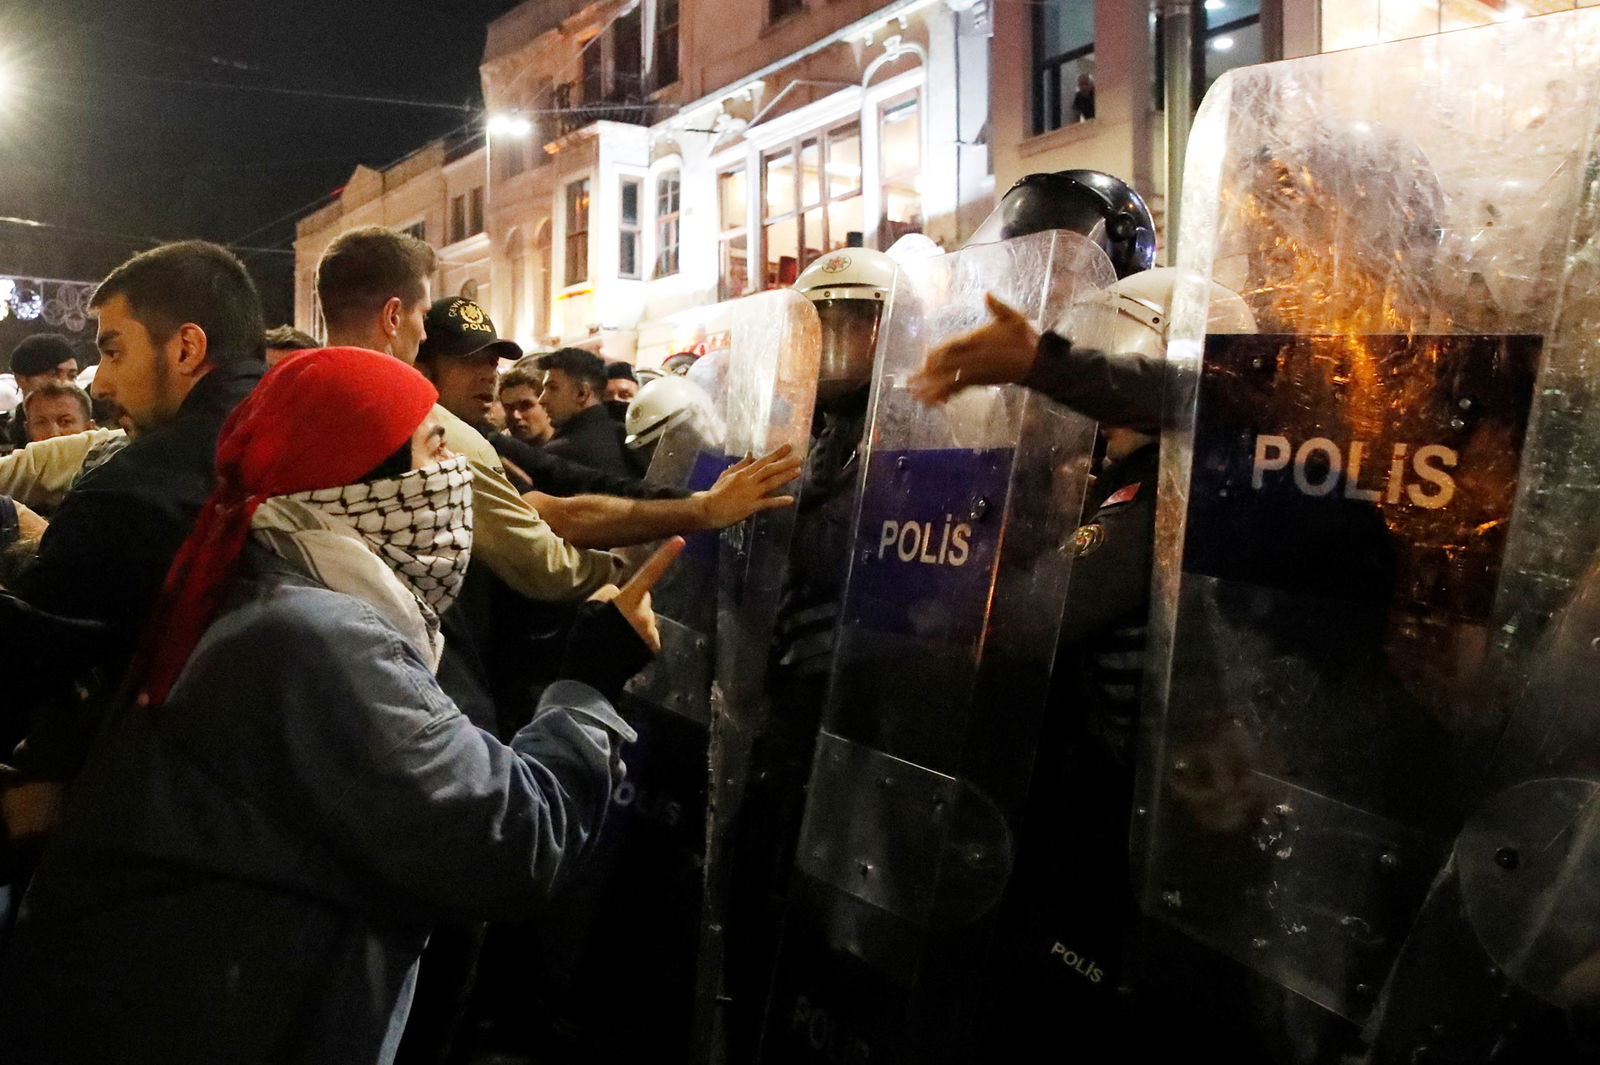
(901, 168)
(1232, 39)
(668, 212)
(733, 200)
(812, 200)
(1063, 63)
(628, 254)
(577, 232)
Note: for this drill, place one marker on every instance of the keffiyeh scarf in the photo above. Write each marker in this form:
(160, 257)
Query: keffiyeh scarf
(400, 544)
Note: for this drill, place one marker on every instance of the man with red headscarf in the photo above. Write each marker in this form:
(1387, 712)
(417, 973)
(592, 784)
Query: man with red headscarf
(286, 801)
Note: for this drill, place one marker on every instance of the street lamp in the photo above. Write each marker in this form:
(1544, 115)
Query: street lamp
(504, 124)
(512, 125)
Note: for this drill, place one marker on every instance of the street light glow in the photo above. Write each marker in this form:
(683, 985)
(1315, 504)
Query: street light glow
(512, 125)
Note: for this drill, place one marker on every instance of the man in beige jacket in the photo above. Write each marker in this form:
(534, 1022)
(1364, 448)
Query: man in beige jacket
(374, 288)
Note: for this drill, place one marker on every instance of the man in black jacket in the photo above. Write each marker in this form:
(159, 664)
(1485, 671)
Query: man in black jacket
(180, 340)
(574, 396)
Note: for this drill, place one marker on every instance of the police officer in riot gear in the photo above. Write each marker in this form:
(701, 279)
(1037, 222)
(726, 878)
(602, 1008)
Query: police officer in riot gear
(1103, 208)
(1069, 906)
(849, 289)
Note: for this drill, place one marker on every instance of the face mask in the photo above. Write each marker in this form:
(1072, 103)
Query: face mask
(419, 523)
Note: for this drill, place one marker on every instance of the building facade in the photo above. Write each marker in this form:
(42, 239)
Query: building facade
(436, 193)
(644, 160)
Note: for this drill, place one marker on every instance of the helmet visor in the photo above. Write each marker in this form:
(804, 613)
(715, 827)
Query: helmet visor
(849, 341)
(1006, 221)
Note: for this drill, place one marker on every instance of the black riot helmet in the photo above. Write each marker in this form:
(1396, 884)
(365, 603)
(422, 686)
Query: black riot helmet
(1101, 207)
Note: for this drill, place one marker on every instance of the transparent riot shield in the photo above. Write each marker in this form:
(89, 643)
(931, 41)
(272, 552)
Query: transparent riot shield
(641, 897)
(950, 613)
(1370, 513)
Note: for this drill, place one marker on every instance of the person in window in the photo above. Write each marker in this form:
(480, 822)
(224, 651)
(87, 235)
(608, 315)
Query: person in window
(1083, 99)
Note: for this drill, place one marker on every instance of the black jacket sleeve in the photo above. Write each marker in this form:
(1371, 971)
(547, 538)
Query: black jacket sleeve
(1122, 389)
(558, 476)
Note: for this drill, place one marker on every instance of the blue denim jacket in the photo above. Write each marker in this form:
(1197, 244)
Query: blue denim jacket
(249, 872)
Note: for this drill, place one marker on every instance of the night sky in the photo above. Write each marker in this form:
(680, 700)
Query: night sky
(97, 135)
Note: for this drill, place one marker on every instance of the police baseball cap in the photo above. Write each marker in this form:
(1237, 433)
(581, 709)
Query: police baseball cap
(458, 327)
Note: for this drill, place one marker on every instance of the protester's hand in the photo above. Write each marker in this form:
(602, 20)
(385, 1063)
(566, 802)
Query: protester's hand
(999, 352)
(747, 486)
(29, 525)
(633, 599)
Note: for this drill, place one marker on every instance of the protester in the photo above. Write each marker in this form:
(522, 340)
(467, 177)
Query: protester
(584, 506)
(573, 397)
(621, 387)
(621, 384)
(58, 408)
(37, 359)
(519, 395)
(180, 343)
(374, 288)
(284, 340)
(254, 855)
(40, 474)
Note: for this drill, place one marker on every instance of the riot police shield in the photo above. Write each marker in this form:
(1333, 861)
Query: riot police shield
(957, 576)
(636, 939)
(1370, 513)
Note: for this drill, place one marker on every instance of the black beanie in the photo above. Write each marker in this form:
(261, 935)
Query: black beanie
(41, 353)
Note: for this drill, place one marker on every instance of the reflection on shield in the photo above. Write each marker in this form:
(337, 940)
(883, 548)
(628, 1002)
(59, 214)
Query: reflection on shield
(1370, 514)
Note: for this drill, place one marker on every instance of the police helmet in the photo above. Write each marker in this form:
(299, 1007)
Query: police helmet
(848, 288)
(1143, 303)
(667, 401)
(1103, 208)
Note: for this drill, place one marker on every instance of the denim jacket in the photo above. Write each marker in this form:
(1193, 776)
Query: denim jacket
(249, 872)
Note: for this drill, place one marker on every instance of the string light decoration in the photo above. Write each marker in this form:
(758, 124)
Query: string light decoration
(51, 301)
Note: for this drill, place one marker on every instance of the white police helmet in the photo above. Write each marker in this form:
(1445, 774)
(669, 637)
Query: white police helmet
(848, 288)
(668, 401)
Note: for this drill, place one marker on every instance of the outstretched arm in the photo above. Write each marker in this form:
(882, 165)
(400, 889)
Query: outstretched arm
(748, 487)
(1122, 389)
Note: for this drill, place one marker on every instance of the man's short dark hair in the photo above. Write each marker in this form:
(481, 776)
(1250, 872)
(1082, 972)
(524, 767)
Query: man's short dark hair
(52, 389)
(288, 338)
(518, 378)
(191, 282)
(620, 371)
(580, 365)
(365, 268)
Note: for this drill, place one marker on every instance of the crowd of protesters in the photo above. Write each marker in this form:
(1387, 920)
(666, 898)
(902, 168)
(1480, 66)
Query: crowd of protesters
(269, 738)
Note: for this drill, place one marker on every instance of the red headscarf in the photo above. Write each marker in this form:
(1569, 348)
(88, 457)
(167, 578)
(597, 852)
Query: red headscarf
(321, 418)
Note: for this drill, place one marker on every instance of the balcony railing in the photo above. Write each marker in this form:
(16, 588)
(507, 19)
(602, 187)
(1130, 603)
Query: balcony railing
(570, 111)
